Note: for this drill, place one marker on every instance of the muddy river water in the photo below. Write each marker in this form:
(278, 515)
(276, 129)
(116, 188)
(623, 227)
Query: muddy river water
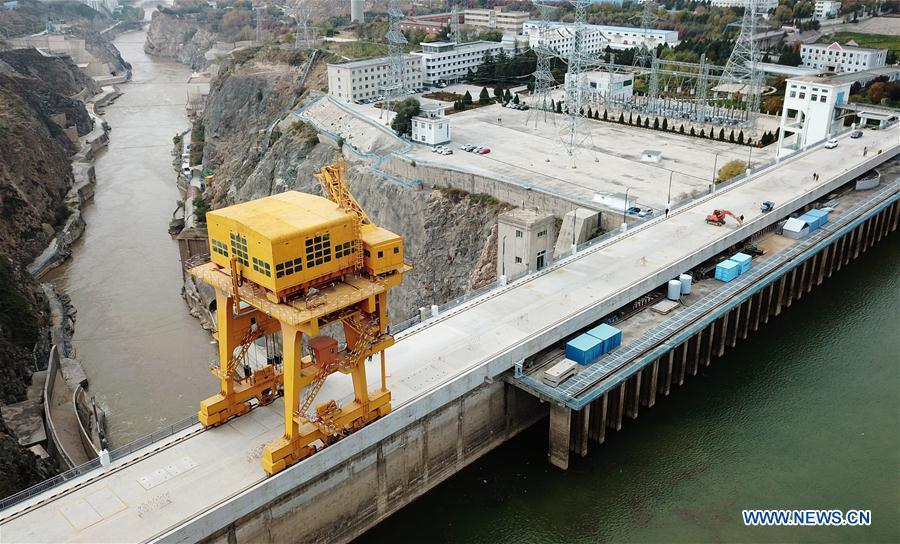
(145, 356)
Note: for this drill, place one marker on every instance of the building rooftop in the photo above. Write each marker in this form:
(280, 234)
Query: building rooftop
(362, 62)
(848, 77)
(835, 46)
(605, 27)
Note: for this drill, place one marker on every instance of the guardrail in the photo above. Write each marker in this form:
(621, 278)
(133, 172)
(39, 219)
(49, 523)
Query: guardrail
(93, 464)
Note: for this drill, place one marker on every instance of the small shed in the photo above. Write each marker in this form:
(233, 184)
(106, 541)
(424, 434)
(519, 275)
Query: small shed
(650, 155)
(796, 228)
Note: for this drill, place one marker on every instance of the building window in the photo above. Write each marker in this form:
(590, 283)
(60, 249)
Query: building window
(342, 250)
(219, 247)
(318, 250)
(239, 249)
(542, 233)
(518, 260)
(262, 267)
(822, 98)
(288, 267)
(518, 234)
(802, 96)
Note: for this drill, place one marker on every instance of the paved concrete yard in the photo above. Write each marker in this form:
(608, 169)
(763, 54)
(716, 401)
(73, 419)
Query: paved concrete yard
(610, 164)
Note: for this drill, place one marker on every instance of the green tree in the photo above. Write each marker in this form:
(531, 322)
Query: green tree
(507, 96)
(559, 107)
(721, 134)
(681, 129)
(605, 117)
(406, 110)
(647, 122)
(516, 99)
(656, 123)
(665, 124)
(498, 92)
(467, 99)
(731, 136)
(702, 133)
(740, 139)
(200, 209)
(639, 123)
(484, 98)
(621, 118)
(590, 114)
(692, 131)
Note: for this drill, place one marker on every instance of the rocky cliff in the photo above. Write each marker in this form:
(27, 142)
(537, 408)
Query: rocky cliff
(178, 37)
(38, 125)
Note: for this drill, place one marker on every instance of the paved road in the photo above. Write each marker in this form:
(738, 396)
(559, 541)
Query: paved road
(145, 498)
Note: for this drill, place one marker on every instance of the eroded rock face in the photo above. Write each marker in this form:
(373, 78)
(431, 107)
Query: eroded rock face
(178, 38)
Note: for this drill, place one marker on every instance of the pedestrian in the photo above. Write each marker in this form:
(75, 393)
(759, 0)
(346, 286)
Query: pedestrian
(498, 120)
(667, 211)
(865, 151)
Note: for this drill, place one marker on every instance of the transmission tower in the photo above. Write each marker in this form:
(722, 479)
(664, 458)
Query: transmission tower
(543, 76)
(742, 69)
(642, 56)
(395, 87)
(302, 13)
(454, 25)
(701, 113)
(579, 62)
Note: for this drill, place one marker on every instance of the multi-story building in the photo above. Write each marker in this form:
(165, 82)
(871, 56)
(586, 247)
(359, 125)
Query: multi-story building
(837, 58)
(430, 126)
(508, 22)
(764, 6)
(827, 9)
(525, 241)
(430, 24)
(451, 61)
(811, 110)
(362, 79)
(561, 36)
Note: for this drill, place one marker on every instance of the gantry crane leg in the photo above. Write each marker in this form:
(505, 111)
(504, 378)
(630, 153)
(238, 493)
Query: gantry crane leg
(234, 393)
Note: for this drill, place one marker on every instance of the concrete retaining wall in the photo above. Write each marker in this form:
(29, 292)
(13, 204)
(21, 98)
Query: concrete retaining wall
(345, 501)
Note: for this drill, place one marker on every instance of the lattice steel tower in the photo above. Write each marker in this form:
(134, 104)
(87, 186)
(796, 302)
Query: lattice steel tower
(742, 68)
(579, 62)
(395, 88)
(543, 76)
(642, 56)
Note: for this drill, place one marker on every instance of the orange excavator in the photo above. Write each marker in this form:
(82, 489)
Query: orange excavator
(717, 217)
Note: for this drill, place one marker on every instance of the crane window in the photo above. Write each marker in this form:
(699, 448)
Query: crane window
(318, 250)
(288, 267)
(262, 267)
(219, 247)
(343, 250)
(239, 249)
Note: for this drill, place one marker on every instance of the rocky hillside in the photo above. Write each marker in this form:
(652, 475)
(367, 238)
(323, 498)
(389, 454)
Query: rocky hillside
(37, 123)
(178, 37)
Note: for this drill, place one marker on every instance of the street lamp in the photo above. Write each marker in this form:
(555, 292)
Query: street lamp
(749, 159)
(574, 222)
(669, 194)
(503, 262)
(625, 208)
(715, 164)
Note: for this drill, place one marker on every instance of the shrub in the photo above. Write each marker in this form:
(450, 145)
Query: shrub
(730, 170)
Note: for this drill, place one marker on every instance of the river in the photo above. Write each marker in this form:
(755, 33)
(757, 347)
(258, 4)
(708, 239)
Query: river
(145, 356)
(805, 414)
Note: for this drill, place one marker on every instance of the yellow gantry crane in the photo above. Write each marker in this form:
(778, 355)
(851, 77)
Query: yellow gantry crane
(288, 265)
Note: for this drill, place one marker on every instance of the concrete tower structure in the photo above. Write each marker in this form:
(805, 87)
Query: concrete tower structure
(357, 8)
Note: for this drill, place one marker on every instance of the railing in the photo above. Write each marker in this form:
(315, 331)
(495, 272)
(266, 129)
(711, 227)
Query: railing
(93, 464)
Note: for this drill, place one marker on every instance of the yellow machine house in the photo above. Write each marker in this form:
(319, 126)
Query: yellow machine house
(289, 241)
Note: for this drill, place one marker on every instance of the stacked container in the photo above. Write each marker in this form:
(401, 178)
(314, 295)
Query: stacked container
(609, 335)
(727, 270)
(584, 349)
(820, 216)
(685, 280)
(674, 292)
(744, 260)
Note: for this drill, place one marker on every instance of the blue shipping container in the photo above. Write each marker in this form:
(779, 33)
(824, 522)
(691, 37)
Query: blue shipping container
(744, 260)
(813, 222)
(821, 215)
(584, 349)
(727, 270)
(610, 336)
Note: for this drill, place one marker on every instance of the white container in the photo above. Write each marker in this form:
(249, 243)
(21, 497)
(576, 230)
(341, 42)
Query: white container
(685, 280)
(674, 290)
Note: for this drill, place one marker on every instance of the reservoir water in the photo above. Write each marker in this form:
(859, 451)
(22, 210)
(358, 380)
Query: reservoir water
(805, 414)
(145, 356)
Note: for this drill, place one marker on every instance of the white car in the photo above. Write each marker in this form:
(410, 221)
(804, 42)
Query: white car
(831, 144)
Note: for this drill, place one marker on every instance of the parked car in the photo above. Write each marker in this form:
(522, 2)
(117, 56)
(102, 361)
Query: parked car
(856, 134)
(484, 151)
(634, 210)
(646, 212)
(476, 149)
(831, 144)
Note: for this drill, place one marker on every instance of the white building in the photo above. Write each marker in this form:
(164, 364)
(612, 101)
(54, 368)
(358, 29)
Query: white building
(811, 110)
(600, 84)
(508, 22)
(430, 126)
(362, 79)
(837, 58)
(827, 9)
(524, 242)
(765, 6)
(560, 36)
(451, 61)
